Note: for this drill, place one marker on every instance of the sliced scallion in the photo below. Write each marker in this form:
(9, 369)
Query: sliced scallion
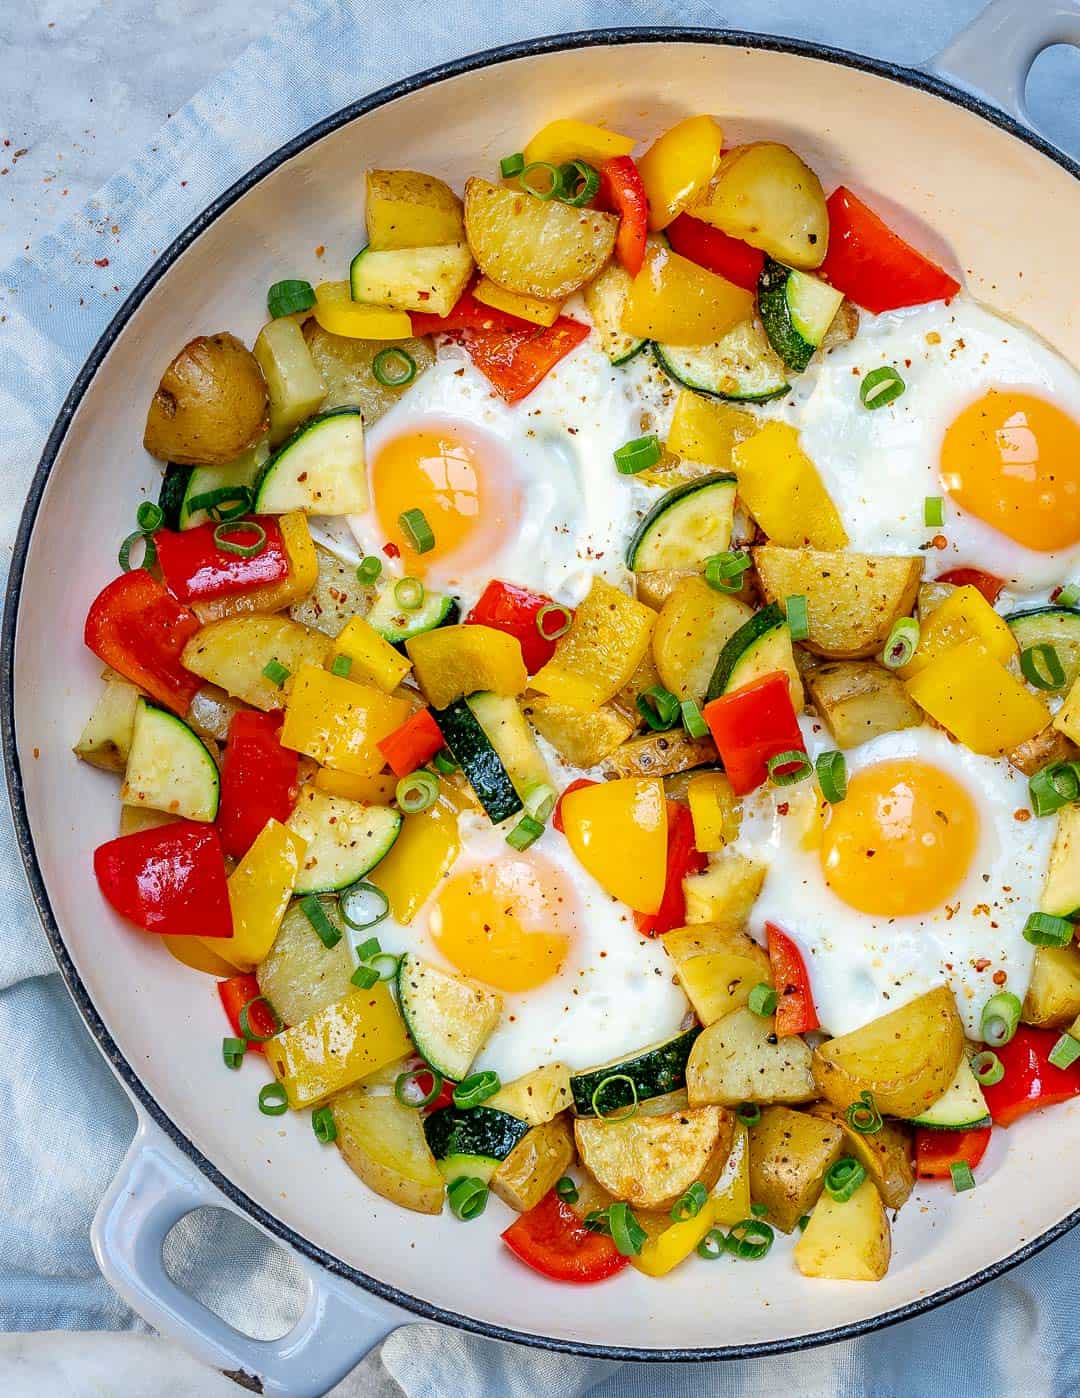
(902, 642)
(476, 1088)
(1065, 1052)
(610, 1100)
(987, 1068)
(843, 1178)
(232, 1051)
(749, 1240)
(659, 708)
(341, 666)
(368, 569)
(863, 1116)
(1042, 667)
(566, 1189)
(275, 672)
(327, 931)
(363, 906)
(881, 387)
(324, 1125)
(393, 367)
(962, 1176)
(762, 1000)
(626, 1233)
(525, 833)
(467, 1197)
(417, 792)
(933, 512)
(831, 768)
(724, 571)
(749, 1113)
(511, 165)
(539, 801)
(713, 1245)
(691, 1203)
(287, 297)
(409, 594)
(1055, 786)
(638, 455)
(149, 516)
(692, 719)
(244, 1020)
(1045, 930)
(541, 179)
(1000, 1018)
(407, 1087)
(251, 527)
(214, 503)
(787, 768)
(554, 621)
(273, 1099)
(416, 529)
(797, 620)
(580, 183)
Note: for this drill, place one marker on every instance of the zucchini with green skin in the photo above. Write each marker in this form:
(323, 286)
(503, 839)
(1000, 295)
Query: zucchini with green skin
(471, 1141)
(605, 300)
(686, 526)
(654, 1071)
(1055, 626)
(411, 279)
(169, 767)
(479, 760)
(397, 624)
(345, 839)
(796, 311)
(183, 484)
(962, 1108)
(320, 470)
(506, 730)
(741, 368)
(448, 1018)
(761, 646)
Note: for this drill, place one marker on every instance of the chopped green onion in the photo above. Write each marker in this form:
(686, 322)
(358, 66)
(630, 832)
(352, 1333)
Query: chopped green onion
(445, 762)
(626, 1233)
(476, 1088)
(324, 1125)
(369, 948)
(467, 1197)
(863, 1116)
(273, 1100)
(1000, 1018)
(415, 527)
(787, 768)
(511, 165)
(212, 500)
(844, 1178)
(803, 1222)
(831, 768)
(232, 1051)
(621, 1103)
(275, 672)
(417, 791)
(659, 708)
(540, 800)
(579, 183)
(903, 639)
(797, 620)
(762, 1000)
(244, 1020)
(149, 516)
(987, 1068)
(962, 1177)
(407, 1087)
(288, 297)
(1068, 596)
(1045, 930)
(596, 1221)
(1055, 786)
(364, 977)
(360, 920)
(541, 179)
(1065, 1052)
(328, 933)
(341, 666)
(1042, 667)
(880, 387)
(525, 833)
(749, 1240)
(933, 512)
(383, 966)
(562, 625)
(409, 594)
(368, 569)
(713, 1245)
(251, 527)
(724, 571)
(638, 455)
(138, 536)
(692, 719)
(759, 1210)
(749, 1113)
(393, 367)
(566, 1189)
(691, 1204)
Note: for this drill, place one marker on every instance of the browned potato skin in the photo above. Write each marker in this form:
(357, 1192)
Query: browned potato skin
(661, 755)
(1045, 748)
(860, 700)
(887, 1154)
(1053, 996)
(537, 1162)
(650, 1160)
(790, 1153)
(211, 404)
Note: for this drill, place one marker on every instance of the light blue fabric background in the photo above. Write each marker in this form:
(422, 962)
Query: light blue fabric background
(65, 1122)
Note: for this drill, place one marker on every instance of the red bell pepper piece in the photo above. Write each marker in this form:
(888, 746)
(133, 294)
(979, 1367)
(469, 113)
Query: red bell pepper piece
(515, 361)
(467, 313)
(988, 585)
(170, 879)
(237, 992)
(260, 780)
(752, 724)
(796, 1012)
(196, 568)
(417, 741)
(1031, 1080)
(425, 1081)
(936, 1151)
(682, 859)
(552, 1240)
(579, 784)
(872, 265)
(717, 251)
(135, 626)
(623, 192)
(514, 610)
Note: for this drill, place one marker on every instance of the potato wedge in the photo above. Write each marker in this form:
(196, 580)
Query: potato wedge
(651, 1161)
(106, 738)
(693, 626)
(211, 713)
(532, 247)
(295, 386)
(718, 966)
(300, 976)
(211, 404)
(540, 1158)
(1043, 750)
(860, 700)
(790, 1153)
(406, 209)
(766, 195)
(338, 596)
(383, 1142)
(852, 599)
(732, 1061)
(344, 365)
(725, 891)
(660, 755)
(234, 654)
(1053, 995)
(655, 586)
(585, 740)
(535, 1097)
(851, 1241)
(886, 1154)
(906, 1059)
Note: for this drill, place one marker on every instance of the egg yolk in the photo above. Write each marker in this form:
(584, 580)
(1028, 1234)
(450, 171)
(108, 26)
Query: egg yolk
(508, 924)
(460, 480)
(901, 841)
(1013, 460)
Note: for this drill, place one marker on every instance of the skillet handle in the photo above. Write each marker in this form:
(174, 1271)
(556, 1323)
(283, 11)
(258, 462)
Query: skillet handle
(992, 57)
(154, 1188)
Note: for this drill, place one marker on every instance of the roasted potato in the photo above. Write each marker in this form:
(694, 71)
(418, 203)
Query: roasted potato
(344, 365)
(764, 194)
(652, 1160)
(299, 975)
(843, 327)
(886, 1154)
(235, 653)
(211, 404)
(540, 1158)
(106, 738)
(851, 1241)
(718, 966)
(211, 713)
(725, 891)
(655, 586)
(906, 1059)
(736, 1060)
(537, 1096)
(852, 599)
(295, 385)
(383, 1142)
(585, 740)
(1053, 994)
(1043, 750)
(860, 700)
(790, 1153)
(660, 755)
(406, 209)
(338, 596)
(694, 624)
(534, 247)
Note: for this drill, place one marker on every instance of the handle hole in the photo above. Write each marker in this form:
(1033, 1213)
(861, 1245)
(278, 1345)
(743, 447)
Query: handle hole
(222, 1260)
(1052, 85)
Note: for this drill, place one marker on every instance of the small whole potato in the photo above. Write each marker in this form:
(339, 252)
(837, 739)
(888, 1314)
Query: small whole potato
(211, 404)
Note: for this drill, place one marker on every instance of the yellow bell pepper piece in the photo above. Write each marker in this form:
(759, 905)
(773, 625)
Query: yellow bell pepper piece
(1067, 718)
(339, 723)
(598, 655)
(515, 303)
(374, 791)
(780, 486)
(707, 431)
(423, 852)
(618, 830)
(568, 139)
(678, 167)
(339, 314)
(453, 661)
(963, 614)
(374, 660)
(731, 1192)
(273, 597)
(673, 1244)
(193, 952)
(259, 891)
(971, 694)
(715, 811)
(677, 302)
(340, 1045)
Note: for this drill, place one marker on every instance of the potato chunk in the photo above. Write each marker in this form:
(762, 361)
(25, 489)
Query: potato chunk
(733, 1061)
(1053, 995)
(886, 1154)
(790, 1153)
(660, 755)
(583, 739)
(851, 1241)
(235, 653)
(540, 1158)
(344, 365)
(211, 404)
(718, 967)
(766, 195)
(860, 700)
(651, 1161)
(406, 209)
(383, 1142)
(693, 626)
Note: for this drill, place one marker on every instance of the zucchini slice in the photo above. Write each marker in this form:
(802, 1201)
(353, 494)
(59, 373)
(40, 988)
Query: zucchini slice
(319, 470)
(169, 767)
(742, 367)
(962, 1108)
(182, 484)
(760, 646)
(1055, 626)
(796, 310)
(471, 1141)
(411, 279)
(656, 1070)
(605, 300)
(396, 624)
(344, 839)
(448, 1018)
(686, 526)
(479, 760)
(506, 730)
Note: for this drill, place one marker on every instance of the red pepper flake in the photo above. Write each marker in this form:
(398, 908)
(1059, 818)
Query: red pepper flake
(391, 550)
(1000, 977)
(1021, 814)
(783, 808)
(939, 541)
(101, 261)
(982, 963)
(320, 251)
